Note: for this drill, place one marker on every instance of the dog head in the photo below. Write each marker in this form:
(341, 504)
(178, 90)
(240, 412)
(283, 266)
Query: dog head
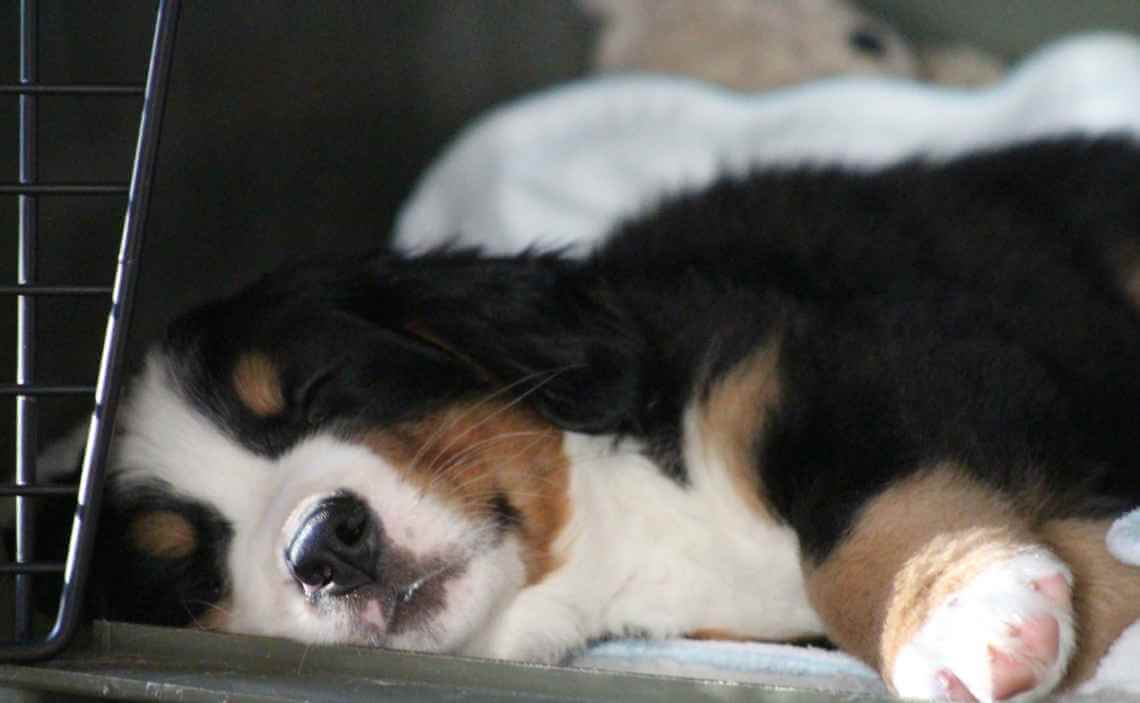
(363, 451)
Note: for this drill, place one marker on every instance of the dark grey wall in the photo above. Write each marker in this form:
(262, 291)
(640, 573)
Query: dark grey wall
(1009, 28)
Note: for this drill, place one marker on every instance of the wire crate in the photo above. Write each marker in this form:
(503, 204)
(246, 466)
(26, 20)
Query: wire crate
(26, 390)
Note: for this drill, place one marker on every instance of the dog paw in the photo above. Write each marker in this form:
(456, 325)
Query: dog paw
(535, 629)
(1007, 635)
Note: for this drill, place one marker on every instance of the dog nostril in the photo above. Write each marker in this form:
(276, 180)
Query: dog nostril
(314, 576)
(336, 548)
(352, 529)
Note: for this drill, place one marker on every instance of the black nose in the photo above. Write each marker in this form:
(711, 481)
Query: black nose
(337, 547)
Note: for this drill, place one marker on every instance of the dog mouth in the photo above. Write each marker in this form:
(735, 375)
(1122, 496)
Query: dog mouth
(407, 594)
(375, 613)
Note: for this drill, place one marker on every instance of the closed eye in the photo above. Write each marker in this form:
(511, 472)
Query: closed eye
(305, 398)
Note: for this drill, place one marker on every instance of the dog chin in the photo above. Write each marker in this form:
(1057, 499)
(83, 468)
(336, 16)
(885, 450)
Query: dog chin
(473, 600)
(470, 596)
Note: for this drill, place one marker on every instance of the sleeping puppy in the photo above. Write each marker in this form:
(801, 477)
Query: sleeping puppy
(893, 408)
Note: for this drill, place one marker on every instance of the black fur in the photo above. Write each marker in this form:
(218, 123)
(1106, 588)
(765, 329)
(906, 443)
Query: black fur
(968, 311)
(344, 330)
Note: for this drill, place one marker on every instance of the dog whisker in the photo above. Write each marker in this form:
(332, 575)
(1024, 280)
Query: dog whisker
(549, 376)
(541, 376)
(458, 460)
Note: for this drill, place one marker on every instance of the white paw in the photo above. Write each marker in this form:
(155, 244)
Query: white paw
(1006, 636)
(534, 629)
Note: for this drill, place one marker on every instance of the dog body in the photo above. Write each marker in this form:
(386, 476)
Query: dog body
(892, 408)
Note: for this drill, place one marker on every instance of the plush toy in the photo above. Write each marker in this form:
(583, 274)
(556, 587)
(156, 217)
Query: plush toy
(754, 45)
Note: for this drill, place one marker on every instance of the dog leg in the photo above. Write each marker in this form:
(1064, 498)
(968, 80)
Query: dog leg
(943, 586)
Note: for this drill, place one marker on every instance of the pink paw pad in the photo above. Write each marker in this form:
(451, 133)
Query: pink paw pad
(1006, 636)
(1036, 644)
(1056, 588)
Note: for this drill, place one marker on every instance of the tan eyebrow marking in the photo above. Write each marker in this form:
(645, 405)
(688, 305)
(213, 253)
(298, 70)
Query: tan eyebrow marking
(257, 382)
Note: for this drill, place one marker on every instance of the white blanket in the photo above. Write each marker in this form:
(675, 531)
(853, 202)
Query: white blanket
(559, 168)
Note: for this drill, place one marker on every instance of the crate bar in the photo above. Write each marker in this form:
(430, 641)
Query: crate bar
(35, 390)
(49, 289)
(24, 189)
(82, 543)
(26, 407)
(141, 663)
(99, 89)
(13, 489)
(33, 567)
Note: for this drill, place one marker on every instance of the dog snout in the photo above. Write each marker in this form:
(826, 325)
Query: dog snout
(336, 548)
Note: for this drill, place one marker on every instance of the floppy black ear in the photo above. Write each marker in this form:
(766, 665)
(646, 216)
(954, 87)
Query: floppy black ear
(539, 323)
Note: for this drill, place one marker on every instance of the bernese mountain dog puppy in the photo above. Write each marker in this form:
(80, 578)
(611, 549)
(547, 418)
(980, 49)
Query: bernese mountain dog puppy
(897, 408)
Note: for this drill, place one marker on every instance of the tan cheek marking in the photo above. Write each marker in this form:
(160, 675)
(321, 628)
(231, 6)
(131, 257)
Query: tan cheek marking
(537, 484)
(257, 383)
(733, 417)
(466, 456)
(1106, 592)
(910, 547)
(164, 534)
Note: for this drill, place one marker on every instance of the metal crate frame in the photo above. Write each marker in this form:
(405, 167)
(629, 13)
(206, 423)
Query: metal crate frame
(142, 663)
(28, 189)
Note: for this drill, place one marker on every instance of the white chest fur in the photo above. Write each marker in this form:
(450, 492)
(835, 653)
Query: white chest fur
(644, 555)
